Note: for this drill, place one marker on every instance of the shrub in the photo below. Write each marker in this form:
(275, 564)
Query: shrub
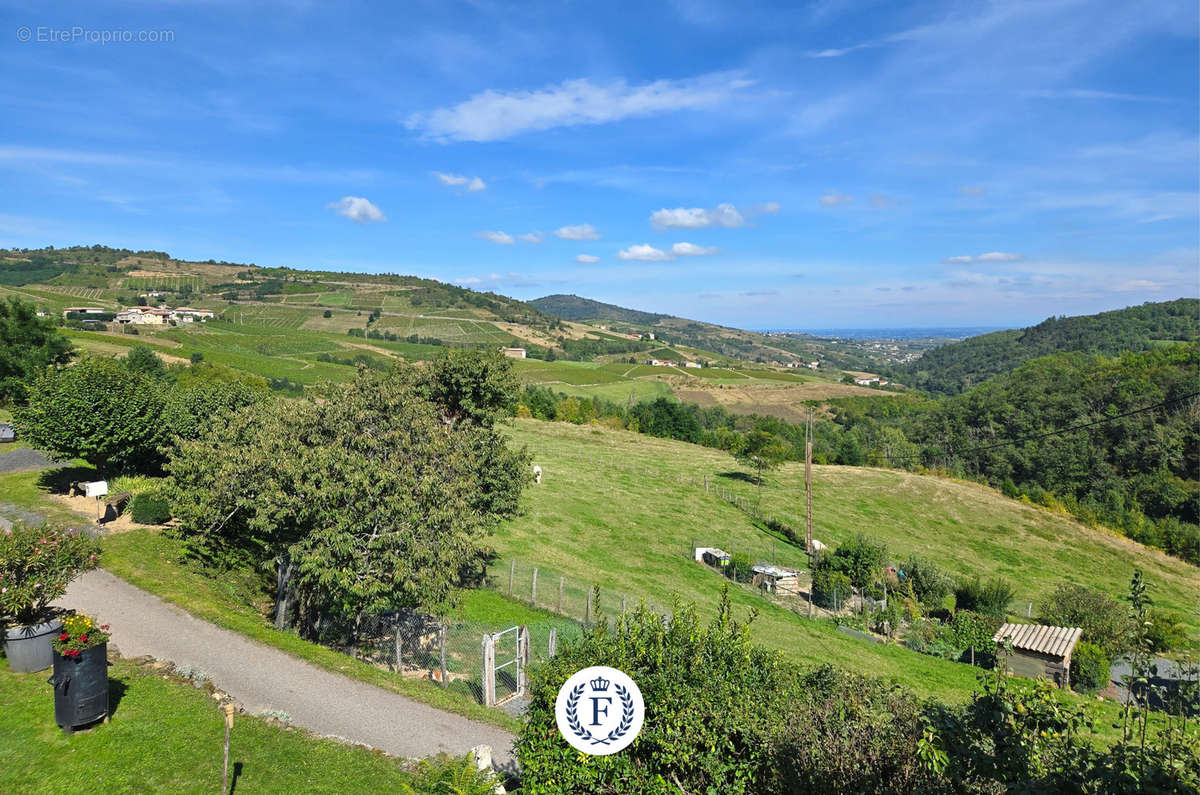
(739, 567)
(327, 313)
(930, 585)
(830, 588)
(150, 508)
(37, 564)
(1166, 632)
(197, 357)
(860, 558)
(1104, 620)
(1089, 668)
(990, 598)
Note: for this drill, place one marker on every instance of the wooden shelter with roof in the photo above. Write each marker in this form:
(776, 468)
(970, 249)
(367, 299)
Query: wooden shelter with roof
(1040, 650)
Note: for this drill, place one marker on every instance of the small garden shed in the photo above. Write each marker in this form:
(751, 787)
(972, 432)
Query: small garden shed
(777, 579)
(713, 556)
(1040, 650)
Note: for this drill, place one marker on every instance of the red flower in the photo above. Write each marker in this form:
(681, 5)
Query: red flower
(83, 638)
(64, 636)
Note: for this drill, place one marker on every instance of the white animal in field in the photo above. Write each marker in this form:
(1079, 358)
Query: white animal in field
(537, 474)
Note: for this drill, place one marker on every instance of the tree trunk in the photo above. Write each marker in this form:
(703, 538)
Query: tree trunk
(283, 590)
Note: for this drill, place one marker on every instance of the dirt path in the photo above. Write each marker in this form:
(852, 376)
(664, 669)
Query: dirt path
(264, 678)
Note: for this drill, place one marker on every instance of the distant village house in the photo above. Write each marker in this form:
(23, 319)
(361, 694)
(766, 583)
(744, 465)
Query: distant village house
(514, 353)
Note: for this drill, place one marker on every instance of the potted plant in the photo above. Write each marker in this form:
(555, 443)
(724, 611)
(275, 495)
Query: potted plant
(80, 672)
(36, 565)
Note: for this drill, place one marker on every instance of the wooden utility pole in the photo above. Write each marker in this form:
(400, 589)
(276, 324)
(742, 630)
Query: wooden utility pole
(228, 711)
(808, 432)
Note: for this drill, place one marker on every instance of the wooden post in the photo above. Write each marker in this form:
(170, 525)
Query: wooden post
(553, 646)
(489, 671)
(560, 593)
(228, 710)
(442, 645)
(533, 590)
(512, 571)
(523, 655)
(808, 545)
(972, 654)
(587, 615)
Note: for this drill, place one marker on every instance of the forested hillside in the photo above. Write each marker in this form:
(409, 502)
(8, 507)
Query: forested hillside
(1133, 467)
(572, 307)
(955, 368)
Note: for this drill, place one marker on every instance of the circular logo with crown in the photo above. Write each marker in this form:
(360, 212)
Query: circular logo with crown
(599, 710)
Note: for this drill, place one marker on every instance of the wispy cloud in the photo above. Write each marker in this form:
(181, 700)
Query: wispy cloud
(692, 250)
(725, 215)
(469, 184)
(357, 209)
(495, 115)
(991, 256)
(530, 237)
(577, 232)
(835, 199)
(500, 238)
(645, 253)
(586, 259)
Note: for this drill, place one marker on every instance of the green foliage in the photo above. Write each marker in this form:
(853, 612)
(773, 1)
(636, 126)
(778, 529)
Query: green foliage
(929, 584)
(722, 715)
(990, 597)
(860, 558)
(1104, 620)
(36, 566)
(192, 406)
(1166, 632)
(762, 451)
(28, 344)
(79, 633)
(363, 502)
(1089, 668)
(150, 508)
(830, 588)
(197, 357)
(142, 359)
(476, 386)
(100, 411)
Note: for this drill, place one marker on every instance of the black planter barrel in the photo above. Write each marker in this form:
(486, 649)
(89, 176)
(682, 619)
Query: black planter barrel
(80, 687)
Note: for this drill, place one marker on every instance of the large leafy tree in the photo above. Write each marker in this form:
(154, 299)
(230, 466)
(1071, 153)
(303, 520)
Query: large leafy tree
(98, 410)
(471, 385)
(28, 344)
(364, 501)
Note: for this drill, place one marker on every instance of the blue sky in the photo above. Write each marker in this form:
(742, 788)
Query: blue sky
(829, 164)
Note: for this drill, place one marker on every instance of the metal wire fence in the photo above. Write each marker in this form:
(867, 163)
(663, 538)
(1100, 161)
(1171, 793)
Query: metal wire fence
(547, 589)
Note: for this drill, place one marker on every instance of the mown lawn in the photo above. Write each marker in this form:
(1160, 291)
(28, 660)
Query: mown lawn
(165, 736)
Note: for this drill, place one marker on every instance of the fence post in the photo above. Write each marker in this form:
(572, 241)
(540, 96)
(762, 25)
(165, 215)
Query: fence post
(442, 645)
(512, 570)
(560, 593)
(553, 641)
(622, 603)
(587, 615)
(523, 654)
(489, 672)
(533, 590)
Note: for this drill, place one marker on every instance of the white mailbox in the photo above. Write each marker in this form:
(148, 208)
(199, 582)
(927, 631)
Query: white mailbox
(98, 488)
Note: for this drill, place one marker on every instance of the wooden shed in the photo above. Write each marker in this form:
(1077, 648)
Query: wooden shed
(1040, 650)
(777, 579)
(716, 557)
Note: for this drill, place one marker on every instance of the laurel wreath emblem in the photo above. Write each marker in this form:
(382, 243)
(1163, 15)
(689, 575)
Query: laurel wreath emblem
(581, 731)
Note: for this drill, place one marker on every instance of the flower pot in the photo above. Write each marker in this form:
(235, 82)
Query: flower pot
(28, 648)
(80, 687)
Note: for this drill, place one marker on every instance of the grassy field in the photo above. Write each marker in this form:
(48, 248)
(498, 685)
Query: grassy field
(621, 510)
(166, 736)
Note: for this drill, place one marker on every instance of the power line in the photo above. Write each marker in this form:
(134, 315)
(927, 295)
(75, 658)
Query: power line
(1046, 435)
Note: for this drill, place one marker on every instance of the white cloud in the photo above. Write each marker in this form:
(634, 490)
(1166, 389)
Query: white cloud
(502, 238)
(468, 280)
(991, 256)
(471, 184)
(586, 259)
(530, 237)
(577, 232)
(692, 250)
(725, 215)
(645, 253)
(357, 209)
(835, 199)
(495, 115)
(769, 207)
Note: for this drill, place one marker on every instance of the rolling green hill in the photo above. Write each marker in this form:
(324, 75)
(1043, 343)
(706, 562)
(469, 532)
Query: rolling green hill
(622, 510)
(957, 367)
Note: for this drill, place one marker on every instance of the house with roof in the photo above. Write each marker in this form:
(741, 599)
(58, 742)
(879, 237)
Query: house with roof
(776, 579)
(1040, 650)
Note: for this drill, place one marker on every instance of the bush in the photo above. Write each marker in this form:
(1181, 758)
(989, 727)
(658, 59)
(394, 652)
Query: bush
(990, 598)
(739, 567)
(830, 588)
(860, 558)
(150, 508)
(1089, 668)
(1104, 620)
(1166, 632)
(327, 313)
(36, 566)
(197, 357)
(930, 585)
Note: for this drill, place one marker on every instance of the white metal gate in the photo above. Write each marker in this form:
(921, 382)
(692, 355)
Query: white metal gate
(507, 679)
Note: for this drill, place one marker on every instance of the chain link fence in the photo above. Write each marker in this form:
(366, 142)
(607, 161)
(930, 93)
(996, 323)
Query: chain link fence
(547, 589)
